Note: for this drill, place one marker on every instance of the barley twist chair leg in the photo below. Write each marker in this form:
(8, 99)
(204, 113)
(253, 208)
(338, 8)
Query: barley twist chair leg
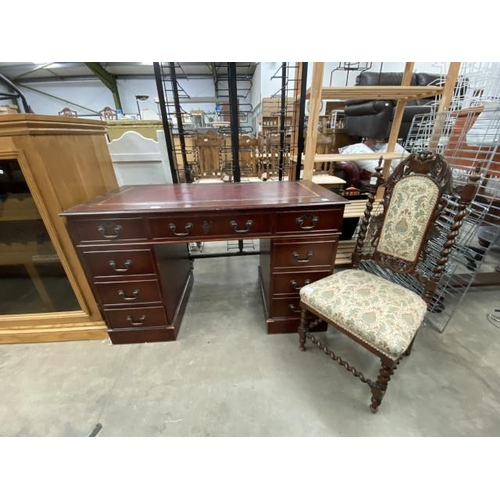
(379, 388)
(303, 329)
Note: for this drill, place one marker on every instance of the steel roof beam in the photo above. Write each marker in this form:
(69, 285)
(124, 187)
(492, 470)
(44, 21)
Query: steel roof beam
(108, 79)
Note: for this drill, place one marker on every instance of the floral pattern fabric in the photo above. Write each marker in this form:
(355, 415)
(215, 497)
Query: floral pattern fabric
(410, 209)
(384, 315)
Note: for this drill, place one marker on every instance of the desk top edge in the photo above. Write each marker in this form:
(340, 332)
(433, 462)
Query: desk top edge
(171, 198)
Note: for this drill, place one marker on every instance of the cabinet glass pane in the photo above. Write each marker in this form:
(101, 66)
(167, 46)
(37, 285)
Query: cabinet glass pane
(32, 279)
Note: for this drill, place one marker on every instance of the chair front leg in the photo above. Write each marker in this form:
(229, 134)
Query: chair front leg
(379, 388)
(408, 350)
(303, 328)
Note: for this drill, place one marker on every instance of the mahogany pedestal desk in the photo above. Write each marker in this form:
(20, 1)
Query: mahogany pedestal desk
(132, 243)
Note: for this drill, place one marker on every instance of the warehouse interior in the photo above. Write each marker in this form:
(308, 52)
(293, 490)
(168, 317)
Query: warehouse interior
(225, 360)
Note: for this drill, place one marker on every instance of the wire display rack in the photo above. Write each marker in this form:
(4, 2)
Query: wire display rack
(183, 157)
(468, 136)
(278, 145)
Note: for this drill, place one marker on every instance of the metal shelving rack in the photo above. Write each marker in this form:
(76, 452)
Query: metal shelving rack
(468, 136)
(291, 77)
(169, 94)
(279, 144)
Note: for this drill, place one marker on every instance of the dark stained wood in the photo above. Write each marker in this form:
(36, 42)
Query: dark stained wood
(136, 336)
(118, 263)
(136, 317)
(132, 242)
(227, 225)
(185, 198)
(380, 386)
(288, 283)
(106, 230)
(309, 221)
(304, 254)
(129, 292)
(175, 273)
(286, 307)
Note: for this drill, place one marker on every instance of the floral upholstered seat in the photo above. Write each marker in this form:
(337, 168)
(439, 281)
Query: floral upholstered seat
(378, 312)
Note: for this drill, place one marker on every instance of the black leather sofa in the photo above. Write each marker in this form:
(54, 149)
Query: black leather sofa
(374, 118)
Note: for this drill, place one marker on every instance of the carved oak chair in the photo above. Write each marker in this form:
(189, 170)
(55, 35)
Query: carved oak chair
(108, 114)
(68, 112)
(406, 238)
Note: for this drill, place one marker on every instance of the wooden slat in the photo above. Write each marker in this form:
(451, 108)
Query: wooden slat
(14, 253)
(314, 108)
(356, 208)
(444, 103)
(18, 207)
(353, 157)
(344, 252)
(95, 330)
(398, 117)
(379, 92)
(327, 180)
(30, 124)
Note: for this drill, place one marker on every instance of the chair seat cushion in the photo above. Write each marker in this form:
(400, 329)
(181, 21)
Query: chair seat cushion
(384, 315)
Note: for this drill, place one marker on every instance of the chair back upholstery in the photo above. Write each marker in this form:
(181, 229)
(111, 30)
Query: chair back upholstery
(415, 196)
(410, 211)
(411, 200)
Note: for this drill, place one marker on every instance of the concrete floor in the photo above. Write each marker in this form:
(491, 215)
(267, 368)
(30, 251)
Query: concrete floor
(225, 376)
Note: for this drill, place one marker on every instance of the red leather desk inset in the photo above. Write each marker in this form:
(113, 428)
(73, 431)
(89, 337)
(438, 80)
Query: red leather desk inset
(132, 243)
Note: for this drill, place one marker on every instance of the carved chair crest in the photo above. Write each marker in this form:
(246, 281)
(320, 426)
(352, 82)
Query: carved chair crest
(397, 235)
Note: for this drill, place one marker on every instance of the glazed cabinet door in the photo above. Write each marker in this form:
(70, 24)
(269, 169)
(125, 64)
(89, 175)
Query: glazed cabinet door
(32, 278)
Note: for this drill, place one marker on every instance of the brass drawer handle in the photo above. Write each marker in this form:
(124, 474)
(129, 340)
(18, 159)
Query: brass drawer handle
(141, 321)
(300, 221)
(293, 309)
(295, 284)
(134, 295)
(296, 256)
(109, 227)
(124, 269)
(187, 227)
(249, 224)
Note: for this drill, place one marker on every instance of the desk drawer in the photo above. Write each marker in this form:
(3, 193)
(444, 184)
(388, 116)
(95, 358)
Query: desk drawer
(231, 225)
(289, 307)
(136, 317)
(291, 283)
(305, 254)
(309, 221)
(119, 262)
(128, 292)
(109, 230)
